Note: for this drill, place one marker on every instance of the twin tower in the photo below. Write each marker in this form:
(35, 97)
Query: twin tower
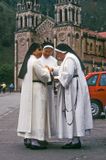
(29, 14)
(33, 26)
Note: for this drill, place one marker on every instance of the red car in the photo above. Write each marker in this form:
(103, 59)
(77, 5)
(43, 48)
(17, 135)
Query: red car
(97, 89)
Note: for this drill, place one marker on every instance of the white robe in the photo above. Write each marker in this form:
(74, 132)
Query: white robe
(51, 62)
(74, 114)
(33, 121)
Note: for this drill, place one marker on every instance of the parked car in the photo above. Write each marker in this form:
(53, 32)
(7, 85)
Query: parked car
(97, 89)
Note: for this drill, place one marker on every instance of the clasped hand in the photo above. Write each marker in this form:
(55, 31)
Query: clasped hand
(49, 68)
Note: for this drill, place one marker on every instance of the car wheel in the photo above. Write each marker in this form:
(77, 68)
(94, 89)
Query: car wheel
(96, 108)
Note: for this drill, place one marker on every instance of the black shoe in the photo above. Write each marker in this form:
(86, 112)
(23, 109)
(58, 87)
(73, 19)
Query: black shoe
(72, 146)
(43, 143)
(27, 142)
(36, 147)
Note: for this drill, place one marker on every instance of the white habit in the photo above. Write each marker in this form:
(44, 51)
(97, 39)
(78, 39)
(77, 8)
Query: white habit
(33, 115)
(74, 108)
(51, 62)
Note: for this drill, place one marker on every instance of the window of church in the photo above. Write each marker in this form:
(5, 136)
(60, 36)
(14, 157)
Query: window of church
(87, 47)
(17, 23)
(32, 20)
(73, 13)
(91, 46)
(21, 22)
(77, 36)
(23, 7)
(36, 21)
(66, 14)
(100, 50)
(77, 16)
(60, 13)
(25, 21)
(29, 5)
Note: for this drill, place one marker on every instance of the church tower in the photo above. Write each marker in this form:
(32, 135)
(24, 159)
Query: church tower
(68, 12)
(68, 23)
(28, 17)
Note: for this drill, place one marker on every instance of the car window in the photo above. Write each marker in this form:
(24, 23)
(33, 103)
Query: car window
(92, 80)
(103, 80)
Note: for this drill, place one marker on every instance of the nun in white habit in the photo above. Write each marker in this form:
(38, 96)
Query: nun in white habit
(33, 124)
(49, 61)
(73, 101)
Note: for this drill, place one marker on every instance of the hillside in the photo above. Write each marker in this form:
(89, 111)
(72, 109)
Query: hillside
(7, 27)
(94, 14)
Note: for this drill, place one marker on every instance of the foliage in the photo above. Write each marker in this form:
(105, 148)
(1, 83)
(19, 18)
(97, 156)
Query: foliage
(6, 73)
(93, 14)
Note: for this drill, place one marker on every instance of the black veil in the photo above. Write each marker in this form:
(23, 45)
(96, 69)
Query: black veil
(65, 47)
(23, 69)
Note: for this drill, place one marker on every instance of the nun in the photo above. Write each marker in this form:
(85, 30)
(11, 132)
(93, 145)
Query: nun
(47, 60)
(73, 101)
(33, 123)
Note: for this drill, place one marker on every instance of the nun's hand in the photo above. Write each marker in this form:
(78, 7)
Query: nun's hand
(47, 67)
(50, 69)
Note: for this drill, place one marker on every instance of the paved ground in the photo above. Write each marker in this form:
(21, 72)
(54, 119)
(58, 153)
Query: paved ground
(11, 146)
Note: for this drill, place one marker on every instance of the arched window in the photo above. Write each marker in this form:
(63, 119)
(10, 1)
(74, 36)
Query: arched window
(91, 46)
(36, 21)
(77, 16)
(28, 20)
(60, 15)
(66, 14)
(73, 12)
(100, 48)
(21, 22)
(77, 36)
(17, 22)
(25, 21)
(32, 20)
(29, 6)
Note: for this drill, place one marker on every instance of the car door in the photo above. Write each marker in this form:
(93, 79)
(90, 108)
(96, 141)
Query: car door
(101, 88)
(92, 82)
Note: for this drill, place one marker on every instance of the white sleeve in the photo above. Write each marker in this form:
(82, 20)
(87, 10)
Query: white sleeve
(56, 71)
(41, 72)
(67, 72)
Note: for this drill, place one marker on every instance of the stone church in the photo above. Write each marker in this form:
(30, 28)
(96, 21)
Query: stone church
(33, 26)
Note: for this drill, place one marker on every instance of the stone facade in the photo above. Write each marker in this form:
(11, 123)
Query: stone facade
(32, 26)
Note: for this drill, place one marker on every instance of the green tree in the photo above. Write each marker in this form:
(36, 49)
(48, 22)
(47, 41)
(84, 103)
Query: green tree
(6, 73)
